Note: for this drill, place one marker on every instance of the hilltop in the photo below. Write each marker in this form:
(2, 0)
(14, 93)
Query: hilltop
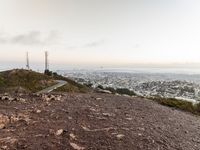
(24, 79)
(31, 81)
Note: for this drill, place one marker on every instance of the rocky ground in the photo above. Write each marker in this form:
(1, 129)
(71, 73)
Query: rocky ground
(94, 121)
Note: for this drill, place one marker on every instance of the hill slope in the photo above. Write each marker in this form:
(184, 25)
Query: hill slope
(95, 121)
(34, 81)
(72, 86)
(29, 80)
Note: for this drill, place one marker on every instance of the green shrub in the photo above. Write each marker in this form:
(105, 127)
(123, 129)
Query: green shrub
(100, 87)
(125, 91)
(180, 104)
(1, 81)
(111, 89)
(198, 108)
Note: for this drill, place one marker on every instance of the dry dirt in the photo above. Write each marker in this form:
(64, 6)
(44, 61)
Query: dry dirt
(94, 122)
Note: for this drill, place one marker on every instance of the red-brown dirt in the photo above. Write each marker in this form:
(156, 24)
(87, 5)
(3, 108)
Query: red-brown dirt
(94, 122)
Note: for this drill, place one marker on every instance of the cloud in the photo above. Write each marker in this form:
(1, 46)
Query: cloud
(89, 45)
(94, 44)
(136, 46)
(3, 38)
(30, 38)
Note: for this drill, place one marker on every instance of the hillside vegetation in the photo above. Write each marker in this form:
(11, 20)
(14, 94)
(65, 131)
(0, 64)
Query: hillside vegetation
(179, 104)
(122, 91)
(28, 80)
(32, 81)
(72, 86)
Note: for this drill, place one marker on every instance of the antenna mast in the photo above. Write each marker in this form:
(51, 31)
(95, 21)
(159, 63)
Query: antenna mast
(46, 61)
(27, 61)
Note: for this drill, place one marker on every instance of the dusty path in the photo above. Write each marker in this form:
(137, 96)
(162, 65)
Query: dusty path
(96, 121)
(50, 89)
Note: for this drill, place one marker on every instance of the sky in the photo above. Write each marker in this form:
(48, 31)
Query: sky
(114, 33)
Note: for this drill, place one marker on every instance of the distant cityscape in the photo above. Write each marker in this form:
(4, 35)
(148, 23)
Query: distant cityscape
(168, 85)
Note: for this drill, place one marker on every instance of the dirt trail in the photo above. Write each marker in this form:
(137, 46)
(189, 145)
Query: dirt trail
(60, 83)
(95, 121)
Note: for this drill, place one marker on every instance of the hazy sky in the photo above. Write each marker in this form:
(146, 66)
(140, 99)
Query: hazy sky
(101, 32)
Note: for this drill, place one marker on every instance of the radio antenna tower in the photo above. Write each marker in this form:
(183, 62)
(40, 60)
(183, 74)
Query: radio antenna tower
(46, 61)
(27, 61)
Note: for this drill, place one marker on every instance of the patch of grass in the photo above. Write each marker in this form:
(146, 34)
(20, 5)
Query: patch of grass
(197, 108)
(34, 81)
(1, 82)
(179, 104)
(71, 85)
(29, 80)
(118, 90)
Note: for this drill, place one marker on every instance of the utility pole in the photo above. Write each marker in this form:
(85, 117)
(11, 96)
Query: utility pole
(27, 61)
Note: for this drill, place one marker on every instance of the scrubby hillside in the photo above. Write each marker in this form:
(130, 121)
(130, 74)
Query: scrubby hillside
(28, 80)
(33, 81)
(72, 86)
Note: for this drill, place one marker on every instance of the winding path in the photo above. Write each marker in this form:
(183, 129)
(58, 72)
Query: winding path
(50, 89)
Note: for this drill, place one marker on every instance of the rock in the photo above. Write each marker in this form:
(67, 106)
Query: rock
(141, 129)
(5, 94)
(4, 119)
(69, 117)
(2, 126)
(15, 99)
(76, 147)
(59, 132)
(53, 98)
(5, 98)
(4, 147)
(85, 128)
(107, 114)
(38, 111)
(186, 132)
(98, 98)
(22, 100)
(46, 98)
(120, 136)
(59, 98)
(37, 95)
(72, 136)
(14, 119)
(129, 119)
(20, 117)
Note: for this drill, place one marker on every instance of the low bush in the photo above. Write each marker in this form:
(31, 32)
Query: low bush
(180, 104)
(123, 91)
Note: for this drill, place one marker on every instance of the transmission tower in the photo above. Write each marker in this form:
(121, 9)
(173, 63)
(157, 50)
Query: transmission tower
(27, 61)
(46, 61)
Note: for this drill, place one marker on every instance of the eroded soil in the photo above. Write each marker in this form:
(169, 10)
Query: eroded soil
(94, 121)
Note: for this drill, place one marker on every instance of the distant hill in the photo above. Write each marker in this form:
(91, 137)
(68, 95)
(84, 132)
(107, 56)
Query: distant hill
(32, 81)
